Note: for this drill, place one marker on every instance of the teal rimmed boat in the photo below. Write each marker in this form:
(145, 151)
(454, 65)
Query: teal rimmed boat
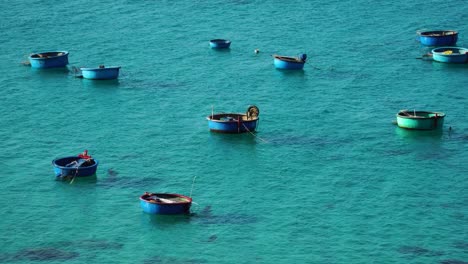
(450, 54)
(421, 120)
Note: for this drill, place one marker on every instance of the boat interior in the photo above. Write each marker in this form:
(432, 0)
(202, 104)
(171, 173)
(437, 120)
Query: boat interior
(231, 117)
(219, 40)
(288, 59)
(451, 50)
(438, 33)
(164, 198)
(75, 162)
(418, 114)
(47, 55)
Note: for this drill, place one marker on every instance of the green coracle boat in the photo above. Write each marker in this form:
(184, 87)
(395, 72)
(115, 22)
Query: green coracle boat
(422, 120)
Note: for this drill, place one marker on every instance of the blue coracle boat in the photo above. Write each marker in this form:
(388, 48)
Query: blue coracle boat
(290, 63)
(220, 43)
(422, 120)
(101, 73)
(450, 54)
(165, 203)
(438, 37)
(81, 165)
(234, 123)
(50, 59)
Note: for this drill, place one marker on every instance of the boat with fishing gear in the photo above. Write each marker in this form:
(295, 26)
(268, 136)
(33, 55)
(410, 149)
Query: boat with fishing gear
(81, 165)
(420, 120)
(438, 37)
(101, 73)
(220, 43)
(450, 54)
(165, 203)
(49, 59)
(290, 63)
(234, 123)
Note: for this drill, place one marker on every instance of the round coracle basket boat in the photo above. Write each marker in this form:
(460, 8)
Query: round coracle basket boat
(165, 203)
(438, 37)
(420, 120)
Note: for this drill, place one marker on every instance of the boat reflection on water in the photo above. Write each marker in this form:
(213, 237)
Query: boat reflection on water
(101, 83)
(165, 221)
(418, 135)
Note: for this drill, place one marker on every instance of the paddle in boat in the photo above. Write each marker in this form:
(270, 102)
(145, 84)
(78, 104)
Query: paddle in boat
(234, 123)
(50, 59)
(82, 165)
(101, 73)
(438, 37)
(450, 54)
(421, 120)
(165, 203)
(289, 63)
(220, 43)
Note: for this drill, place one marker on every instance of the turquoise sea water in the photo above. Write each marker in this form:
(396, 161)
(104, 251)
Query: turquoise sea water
(327, 179)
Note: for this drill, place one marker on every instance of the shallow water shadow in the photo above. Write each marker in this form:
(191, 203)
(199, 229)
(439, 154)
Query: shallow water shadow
(88, 244)
(206, 217)
(128, 182)
(39, 254)
(97, 244)
(415, 251)
(293, 140)
(154, 85)
(452, 261)
(112, 173)
(461, 245)
(170, 260)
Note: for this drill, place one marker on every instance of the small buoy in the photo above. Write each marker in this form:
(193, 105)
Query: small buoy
(256, 51)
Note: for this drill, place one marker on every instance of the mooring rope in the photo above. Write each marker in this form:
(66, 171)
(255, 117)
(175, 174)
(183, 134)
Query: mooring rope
(254, 134)
(74, 176)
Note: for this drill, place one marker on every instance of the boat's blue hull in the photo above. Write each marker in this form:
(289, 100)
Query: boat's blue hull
(288, 65)
(107, 73)
(438, 38)
(450, 55)
(166, 209)
(53, 59)
(220, 44)
(62, 170)
(232, 127)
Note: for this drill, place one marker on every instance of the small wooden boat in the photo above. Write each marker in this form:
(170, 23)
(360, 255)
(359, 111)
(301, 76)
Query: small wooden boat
(450, 54)
(220, 43)
(165, 203)
(422, 120)
(101, 73)
(438, 37)
(290, 63)
(81, 165)
(50, 59)
(234, 123)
